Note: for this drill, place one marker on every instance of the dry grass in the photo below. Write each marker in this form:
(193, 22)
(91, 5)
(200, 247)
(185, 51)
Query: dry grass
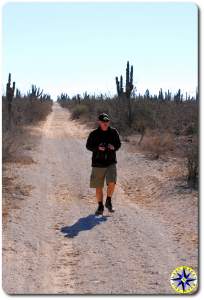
(15, 144)
(79, 110)
(155, 144)
(158, 144)
(17, 140)
(192, 161)
(13, 192)
(25, 111)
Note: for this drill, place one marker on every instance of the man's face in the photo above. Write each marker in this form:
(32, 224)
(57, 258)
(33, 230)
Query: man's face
(104, 124)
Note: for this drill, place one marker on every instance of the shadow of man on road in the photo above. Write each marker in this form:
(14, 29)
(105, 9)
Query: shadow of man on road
(86, 223)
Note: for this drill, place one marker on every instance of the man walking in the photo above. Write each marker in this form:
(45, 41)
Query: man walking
(103, 142)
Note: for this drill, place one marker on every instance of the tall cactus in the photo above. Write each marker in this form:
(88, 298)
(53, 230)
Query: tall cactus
(9, 96)
(119, 85)
(10, 90)
(126, 95)
(35, 92)
(18, 93)
(129, 82)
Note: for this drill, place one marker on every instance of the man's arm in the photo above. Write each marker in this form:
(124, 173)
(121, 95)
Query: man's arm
(90, 144)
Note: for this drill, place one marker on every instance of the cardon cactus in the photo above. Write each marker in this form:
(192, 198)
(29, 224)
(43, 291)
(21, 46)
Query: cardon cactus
(35, 92)
(129, 82)
(9, 96)
(10, 90)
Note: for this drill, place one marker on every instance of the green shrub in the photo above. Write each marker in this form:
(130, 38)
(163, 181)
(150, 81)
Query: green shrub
(79, 110)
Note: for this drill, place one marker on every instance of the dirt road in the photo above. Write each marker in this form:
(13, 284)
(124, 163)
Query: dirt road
(53, 243)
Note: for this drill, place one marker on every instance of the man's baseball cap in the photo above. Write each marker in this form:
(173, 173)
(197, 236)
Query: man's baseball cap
(104, 117)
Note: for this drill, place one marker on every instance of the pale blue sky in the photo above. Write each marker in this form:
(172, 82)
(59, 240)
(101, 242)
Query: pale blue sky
(78, 47)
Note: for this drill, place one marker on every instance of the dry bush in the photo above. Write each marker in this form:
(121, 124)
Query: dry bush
(178, 118)
(158, 144)
(192, 161)
(9, 145)
(13, 145)
(25, 111)
(79, 110)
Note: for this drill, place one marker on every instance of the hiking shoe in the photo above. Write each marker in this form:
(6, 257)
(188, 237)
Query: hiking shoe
(99, 210)
(108, 205)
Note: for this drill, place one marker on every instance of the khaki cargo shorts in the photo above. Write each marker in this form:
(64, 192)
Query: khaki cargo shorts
(98, 175)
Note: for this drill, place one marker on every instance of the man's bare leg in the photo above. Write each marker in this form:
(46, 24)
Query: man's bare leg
(99, 197)
(99, 194)
(110, 189)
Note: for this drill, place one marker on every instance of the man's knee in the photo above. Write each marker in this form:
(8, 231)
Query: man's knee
(99, 190)
(111, 183)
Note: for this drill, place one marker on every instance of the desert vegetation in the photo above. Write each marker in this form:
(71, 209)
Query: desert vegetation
(18, 112)
(165, 123)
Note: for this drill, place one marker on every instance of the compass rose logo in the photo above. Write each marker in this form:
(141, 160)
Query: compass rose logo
(184, 280)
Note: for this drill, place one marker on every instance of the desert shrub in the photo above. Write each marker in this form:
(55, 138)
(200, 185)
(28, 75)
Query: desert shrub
(178, 118)
(192, 160)
(24, 111)
(79, 110)
(12, 142)
(7, 144)
(158, 144)
(191, 129)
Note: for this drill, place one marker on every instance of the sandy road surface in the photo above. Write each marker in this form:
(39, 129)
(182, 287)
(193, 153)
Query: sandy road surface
(54, 244)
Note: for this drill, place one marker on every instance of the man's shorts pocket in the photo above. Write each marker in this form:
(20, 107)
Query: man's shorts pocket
(111, 174)
(97, 177)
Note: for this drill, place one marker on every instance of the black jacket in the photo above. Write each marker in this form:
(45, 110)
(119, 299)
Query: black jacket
(99, 136)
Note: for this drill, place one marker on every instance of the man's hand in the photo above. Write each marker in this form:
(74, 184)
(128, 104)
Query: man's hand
(111, 147)
(101, 148)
